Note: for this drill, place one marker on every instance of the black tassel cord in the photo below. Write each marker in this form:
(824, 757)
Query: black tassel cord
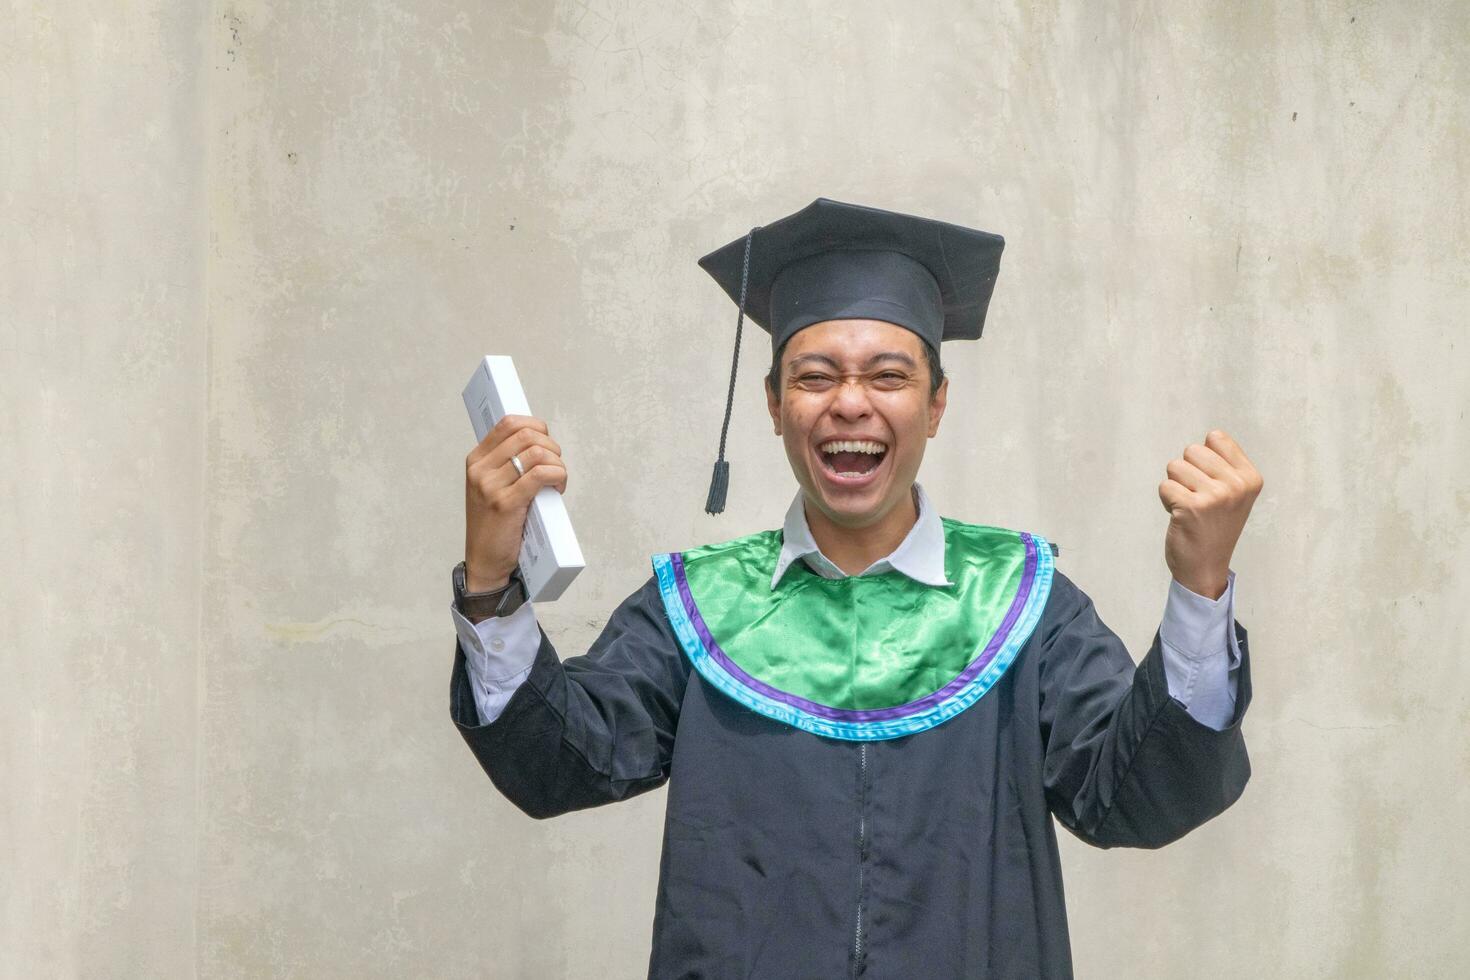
(720, 481)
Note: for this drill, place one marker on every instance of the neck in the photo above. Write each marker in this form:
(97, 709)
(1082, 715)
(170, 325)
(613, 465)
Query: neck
(853, 549)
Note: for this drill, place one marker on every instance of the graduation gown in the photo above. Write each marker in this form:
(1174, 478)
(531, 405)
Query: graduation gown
(791, 849)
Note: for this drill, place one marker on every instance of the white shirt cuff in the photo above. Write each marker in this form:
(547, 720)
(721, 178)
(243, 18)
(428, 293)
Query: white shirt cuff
(498, 654)
(1201, 652)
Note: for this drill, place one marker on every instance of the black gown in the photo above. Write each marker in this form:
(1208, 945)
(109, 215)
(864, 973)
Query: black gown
(789, 854)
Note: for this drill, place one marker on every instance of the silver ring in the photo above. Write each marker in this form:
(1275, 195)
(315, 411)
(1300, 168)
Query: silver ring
(517, 464)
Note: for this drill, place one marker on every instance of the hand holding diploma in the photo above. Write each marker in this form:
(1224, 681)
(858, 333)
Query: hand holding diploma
(497, 496)
(1208, 495)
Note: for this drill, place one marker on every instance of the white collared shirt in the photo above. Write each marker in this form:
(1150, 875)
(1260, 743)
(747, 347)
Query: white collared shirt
(920, 555)
(1196, 637)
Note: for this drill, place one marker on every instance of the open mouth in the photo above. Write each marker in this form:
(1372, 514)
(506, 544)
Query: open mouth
(848, 459)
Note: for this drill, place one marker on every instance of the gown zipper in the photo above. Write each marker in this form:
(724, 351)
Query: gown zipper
(857, 935)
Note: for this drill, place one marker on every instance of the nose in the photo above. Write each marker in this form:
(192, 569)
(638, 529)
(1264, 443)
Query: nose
(851, 400)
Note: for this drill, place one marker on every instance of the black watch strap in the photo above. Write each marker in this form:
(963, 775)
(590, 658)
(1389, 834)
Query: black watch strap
(497, 602)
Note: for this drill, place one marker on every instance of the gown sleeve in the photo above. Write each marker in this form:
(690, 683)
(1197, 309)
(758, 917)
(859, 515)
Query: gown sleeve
(1125, 764)
(592, 729)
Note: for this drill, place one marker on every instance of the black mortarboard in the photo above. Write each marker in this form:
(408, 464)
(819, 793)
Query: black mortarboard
(832, 261)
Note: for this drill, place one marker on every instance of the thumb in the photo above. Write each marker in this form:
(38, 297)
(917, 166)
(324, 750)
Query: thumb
(1172, 494)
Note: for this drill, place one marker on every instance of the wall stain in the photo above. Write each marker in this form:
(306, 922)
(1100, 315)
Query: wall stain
(308, 632)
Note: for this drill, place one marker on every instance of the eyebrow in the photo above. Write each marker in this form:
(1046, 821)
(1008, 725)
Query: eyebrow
(885, 356)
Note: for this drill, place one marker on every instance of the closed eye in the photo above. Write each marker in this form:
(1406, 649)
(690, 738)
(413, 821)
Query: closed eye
(886, 375)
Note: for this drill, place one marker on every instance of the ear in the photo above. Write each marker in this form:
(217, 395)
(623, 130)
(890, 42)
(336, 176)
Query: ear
(773, 406)
(936, 406)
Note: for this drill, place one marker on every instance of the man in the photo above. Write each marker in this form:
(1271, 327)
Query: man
(868, 718)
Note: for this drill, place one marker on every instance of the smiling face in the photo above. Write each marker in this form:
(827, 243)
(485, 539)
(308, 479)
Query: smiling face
(864, 383)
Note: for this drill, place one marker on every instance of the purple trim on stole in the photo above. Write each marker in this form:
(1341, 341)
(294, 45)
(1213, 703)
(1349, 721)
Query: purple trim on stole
(967, 675)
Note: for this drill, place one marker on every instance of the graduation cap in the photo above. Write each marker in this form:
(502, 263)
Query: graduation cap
(836, 261)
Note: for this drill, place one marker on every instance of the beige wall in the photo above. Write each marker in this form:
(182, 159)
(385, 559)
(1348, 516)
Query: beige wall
(103, 337)
(253, 250)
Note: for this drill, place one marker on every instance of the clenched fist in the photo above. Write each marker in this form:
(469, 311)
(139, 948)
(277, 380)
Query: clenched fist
(1208, 495)
(497, 497)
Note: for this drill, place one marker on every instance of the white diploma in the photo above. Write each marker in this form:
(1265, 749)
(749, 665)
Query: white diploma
(550, 555)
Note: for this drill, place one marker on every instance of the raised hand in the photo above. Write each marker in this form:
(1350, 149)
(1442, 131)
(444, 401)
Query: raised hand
(497, 497)
(1208, 495)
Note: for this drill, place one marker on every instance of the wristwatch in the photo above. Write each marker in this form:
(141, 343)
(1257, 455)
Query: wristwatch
(497, 602)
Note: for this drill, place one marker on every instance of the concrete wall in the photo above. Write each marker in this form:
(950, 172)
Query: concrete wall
(103, 333)
(252, 251)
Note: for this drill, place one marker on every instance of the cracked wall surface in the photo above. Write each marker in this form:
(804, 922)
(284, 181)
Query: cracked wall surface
(253, 251)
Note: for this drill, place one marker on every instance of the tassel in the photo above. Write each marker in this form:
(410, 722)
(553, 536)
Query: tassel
(720, 481)
(718, 484)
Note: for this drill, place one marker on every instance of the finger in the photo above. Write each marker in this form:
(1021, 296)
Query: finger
(1208, 461)
(514, 423)
(1186, 473)
(1172, 495)
(489, 481)
(1219, 440)
(516, 444)
(545, 457)
(488, 477)
(529, 458)
(538, 476)
(502, 430)
(1228, 448)
(521, 440)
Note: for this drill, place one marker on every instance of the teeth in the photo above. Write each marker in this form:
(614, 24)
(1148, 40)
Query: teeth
(853, 446)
